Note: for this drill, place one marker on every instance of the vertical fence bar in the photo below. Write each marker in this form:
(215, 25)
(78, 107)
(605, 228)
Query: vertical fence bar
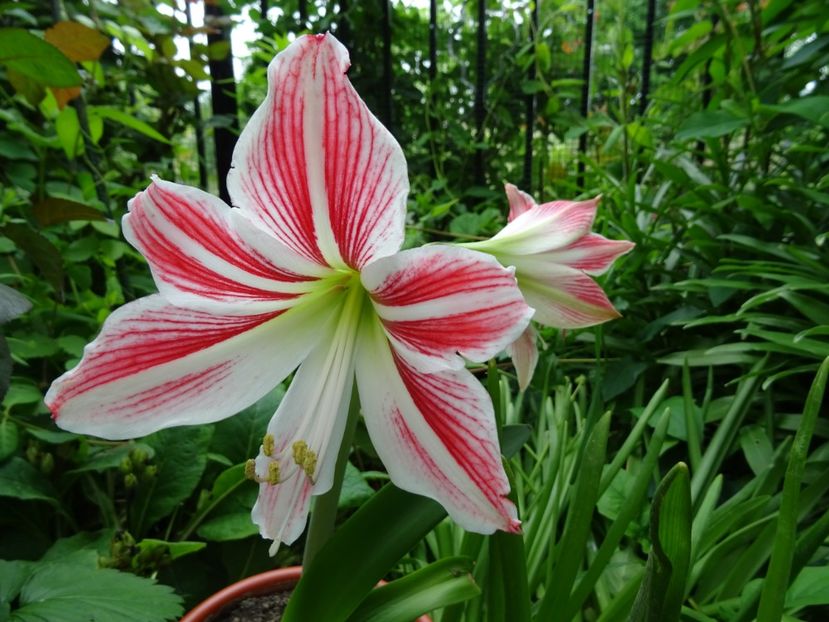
(707, 88)
(433, 40)
(530, 103)
(199, 130)
(585, 88)
(385, 100)
(480, 87)
(647, 58)
(223, 93)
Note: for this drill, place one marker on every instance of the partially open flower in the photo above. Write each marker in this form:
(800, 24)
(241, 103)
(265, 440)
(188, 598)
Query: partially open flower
(555, 256)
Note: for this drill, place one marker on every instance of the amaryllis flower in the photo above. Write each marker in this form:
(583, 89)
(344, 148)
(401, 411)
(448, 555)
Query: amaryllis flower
(304, 272)
(555, 256)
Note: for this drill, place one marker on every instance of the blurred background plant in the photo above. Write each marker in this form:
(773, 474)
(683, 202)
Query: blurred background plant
(668, 465)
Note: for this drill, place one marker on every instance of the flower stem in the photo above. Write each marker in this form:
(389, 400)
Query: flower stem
(324, 514)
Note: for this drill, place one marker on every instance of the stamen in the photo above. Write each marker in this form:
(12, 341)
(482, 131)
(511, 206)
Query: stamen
(250, 470)
(273, 473)
(305, 458)
(268, 445)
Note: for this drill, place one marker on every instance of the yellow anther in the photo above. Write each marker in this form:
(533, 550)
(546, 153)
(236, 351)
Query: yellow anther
(268, 445)
(300, 449)
(309, 465)
(273, 473)
(250, 470)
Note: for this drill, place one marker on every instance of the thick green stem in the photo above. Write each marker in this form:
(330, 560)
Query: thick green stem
(324, 514)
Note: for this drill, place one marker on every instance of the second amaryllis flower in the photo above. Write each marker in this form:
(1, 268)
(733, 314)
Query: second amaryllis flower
(555, 256)
(305, 273)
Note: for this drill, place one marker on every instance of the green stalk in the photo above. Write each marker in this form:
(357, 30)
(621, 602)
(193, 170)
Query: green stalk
(324, 515)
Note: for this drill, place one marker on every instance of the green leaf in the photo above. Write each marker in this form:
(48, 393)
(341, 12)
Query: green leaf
(13, 574)
(180, 457)
(73, 593)
(438, 585)
(40, 251)
(710, 124)
(572, 545)
(68, 129)
(127, 120)
(814, 108)
(36, 59)
(235, 526)
(662, 591)
(384, 529)
(53, 211)
(151, 547)
(21, 480)
(777, 578)
(355, 490)
(9, 438)
(239, 437)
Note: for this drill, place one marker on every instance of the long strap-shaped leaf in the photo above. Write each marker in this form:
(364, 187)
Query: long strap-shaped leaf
(779, 573)
(361, 551)
(663, 587)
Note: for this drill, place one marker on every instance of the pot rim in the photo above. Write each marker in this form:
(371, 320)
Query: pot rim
(255, 585)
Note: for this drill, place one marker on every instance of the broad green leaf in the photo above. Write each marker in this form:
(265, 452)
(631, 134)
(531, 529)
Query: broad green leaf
(384, 529)
(710, 124)
(13, 574)
(355, 490)
(72, 593)
(127, 120)
(438, 585)
(21, 480)
(235, 526)
(5, 374)
(69, 132)
(239, 437)
(180, 457)
(36, 59)
(9, 438)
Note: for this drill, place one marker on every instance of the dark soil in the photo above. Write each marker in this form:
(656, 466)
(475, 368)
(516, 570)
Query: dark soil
(267, 608)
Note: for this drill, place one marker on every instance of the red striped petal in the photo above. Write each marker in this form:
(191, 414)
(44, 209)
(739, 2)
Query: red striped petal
(567, 298)
(206, 256)
(519, 201)
(315, 167)
(155, 365)
(594, 254)
(435, 434)
(524, 354)
(438, 301)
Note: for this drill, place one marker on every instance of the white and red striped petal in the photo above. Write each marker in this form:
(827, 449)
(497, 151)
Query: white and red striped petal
(315, 167)
(281, 510)
(524, 354)
(594, 254)
(155, 365)
(207, 256)
(435, 433)
(564, 297)
(436, 302)
(310, 420)
(542, 228)
(519, 201)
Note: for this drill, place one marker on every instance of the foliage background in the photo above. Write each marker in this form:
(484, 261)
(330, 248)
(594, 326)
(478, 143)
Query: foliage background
(721, 180)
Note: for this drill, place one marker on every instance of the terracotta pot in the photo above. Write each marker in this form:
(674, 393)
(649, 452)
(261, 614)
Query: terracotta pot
(281, 579)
